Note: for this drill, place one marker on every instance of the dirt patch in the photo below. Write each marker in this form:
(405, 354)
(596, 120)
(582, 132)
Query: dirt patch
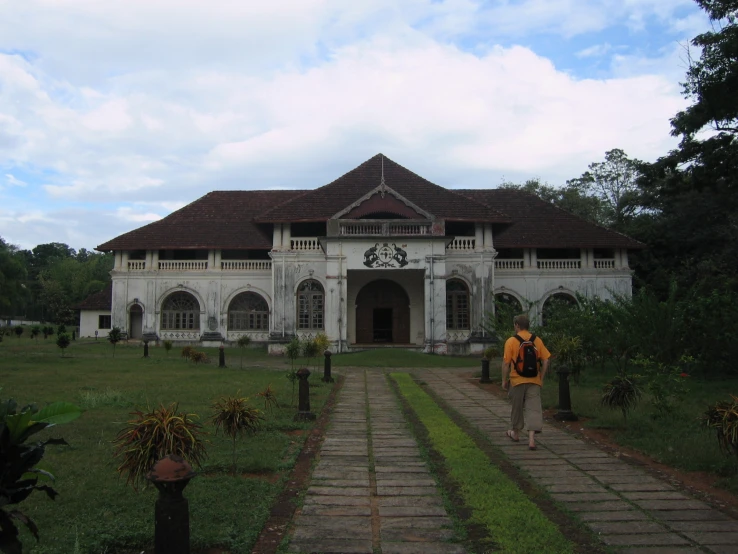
(700, 484)
(277, 526)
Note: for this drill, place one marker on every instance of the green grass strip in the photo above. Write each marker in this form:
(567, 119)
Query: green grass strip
(513, 521)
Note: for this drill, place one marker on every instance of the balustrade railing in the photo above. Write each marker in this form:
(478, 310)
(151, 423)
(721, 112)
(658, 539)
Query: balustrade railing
(246, 265)
(559, 264)
(136, 265)
(463, 243)
(384, 229)
(604, 263)
(304, 244)
(408, 229)
(508, 264)
(182, 265)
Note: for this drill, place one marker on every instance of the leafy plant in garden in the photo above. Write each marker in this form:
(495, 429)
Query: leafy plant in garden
(234, 417)
(114, 337)
(48, 331)
(63, 341)
(293, 350)
(199, 357)
(61, 329)
(270, 398)
(666, 383)
(35, 330)
(622, 393)
(19, 331)
(322, 343)
(292, 378)
(491, 352)
(566, 350)
(723, 419)
(187, 352)
(242, 343)
(167, 346)
(150, 436)
(19, 476)
(309, 349)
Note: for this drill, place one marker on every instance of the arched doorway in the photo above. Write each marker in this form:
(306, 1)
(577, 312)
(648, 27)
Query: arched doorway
(136, 314)
(382, 313)
(556, 304)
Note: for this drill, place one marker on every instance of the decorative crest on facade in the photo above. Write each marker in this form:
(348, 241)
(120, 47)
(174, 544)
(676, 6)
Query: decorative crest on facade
(385, 256)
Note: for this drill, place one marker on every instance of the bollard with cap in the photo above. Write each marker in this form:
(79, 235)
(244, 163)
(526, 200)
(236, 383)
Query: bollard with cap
(303, 396)
(564, 413)
(327, 368)
(146, 349)
(170, 476)
(485, 371)
(221, 356)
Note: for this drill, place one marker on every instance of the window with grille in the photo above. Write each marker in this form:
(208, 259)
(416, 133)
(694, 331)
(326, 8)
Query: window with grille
(310, 300)
(104, 322)
(457, 305)
(180, 310)
(248, 312)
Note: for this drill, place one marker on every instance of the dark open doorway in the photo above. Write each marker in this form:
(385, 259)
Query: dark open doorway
(382, 324)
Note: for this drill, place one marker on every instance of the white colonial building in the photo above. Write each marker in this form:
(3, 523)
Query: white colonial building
(380, 256)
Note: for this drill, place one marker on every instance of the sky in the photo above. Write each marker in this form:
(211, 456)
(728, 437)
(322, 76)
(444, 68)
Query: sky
(114, 114)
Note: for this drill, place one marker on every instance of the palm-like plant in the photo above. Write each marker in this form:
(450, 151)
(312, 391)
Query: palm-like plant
(150, 436)
(234, 417)
(167, 346)
(621, 393)
(270, 398)
(723, 419)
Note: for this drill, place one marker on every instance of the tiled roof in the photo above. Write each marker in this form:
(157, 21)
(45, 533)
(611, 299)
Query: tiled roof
(102, 300)
(539, 224)
(220, 219)
(322, 203)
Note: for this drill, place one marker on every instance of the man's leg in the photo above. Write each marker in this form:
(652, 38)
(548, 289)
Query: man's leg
(533, 411)
(517, 399)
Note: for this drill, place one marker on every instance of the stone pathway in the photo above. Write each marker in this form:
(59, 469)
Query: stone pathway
(628, 508)
(371, 491)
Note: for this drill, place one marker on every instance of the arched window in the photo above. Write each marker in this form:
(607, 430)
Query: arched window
(180, 310)
(457, 305)
(508, 303)
(310, 301)
(248, 311)
(557, 305)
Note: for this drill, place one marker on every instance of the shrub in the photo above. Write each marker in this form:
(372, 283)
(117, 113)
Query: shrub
(19, 476)
(621, 393)
(150, 436)
(35, 330)
(292, 378)
(114, 337)
(187, 352)
(666, 383)
(322, 343)
(48, 331)
(491, 352)
(167, 346)
(309, 349)
(18, 331)
(293, 350)
(243, 342)
(723, 419)
(61, 329)
(270, 398)
(234, 417)
(63, 341)
(199, 357)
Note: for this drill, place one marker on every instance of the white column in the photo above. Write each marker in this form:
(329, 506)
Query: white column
(286, 236)
(488, 236)
(277, 237)
(478, 236)
(154, 260)
(211, 260)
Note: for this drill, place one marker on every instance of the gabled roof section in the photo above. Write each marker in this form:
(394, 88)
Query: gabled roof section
(220, 219)
(383, 198)
(101, 301)
(539, 224)
(320, 204)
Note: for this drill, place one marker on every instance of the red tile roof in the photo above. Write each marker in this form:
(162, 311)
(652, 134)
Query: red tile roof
(539, 224)
(322, 203)
(237, 220)
(102, 300)
(220, 219)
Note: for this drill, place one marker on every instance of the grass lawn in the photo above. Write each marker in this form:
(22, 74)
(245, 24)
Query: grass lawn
(679, 439)
(96, 511)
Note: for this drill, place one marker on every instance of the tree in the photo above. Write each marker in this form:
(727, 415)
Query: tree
(614, 183)
(12, 277)
(62, 341)
(114, 337)
(243, 342)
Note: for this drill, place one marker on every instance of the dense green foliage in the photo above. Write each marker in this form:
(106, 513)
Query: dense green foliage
(514, 522)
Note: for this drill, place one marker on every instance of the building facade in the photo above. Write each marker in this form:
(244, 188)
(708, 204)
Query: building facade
(379, 257)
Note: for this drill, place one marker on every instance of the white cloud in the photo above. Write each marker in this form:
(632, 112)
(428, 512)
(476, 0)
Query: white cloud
(11, 180)
(595, 51)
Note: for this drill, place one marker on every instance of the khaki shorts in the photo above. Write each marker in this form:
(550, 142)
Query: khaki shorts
(526, 407)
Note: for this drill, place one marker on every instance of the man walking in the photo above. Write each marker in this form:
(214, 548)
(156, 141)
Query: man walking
(526, 361)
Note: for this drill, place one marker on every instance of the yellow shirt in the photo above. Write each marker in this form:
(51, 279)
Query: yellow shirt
(512, 347)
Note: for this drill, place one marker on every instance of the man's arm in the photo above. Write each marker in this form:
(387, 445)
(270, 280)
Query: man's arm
(505, 372)
(544, 368)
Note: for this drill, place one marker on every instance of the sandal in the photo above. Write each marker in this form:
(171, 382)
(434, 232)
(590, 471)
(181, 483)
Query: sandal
(511, 436)
(534, 447)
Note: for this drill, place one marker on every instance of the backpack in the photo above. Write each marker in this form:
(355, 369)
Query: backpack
(528, 358)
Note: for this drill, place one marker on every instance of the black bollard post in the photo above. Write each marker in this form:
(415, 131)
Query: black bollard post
(327, 368)
(485, 371)
(74, 336)
(146, 349)
(221, 356)
(170, 476)
(303, 396)
(564, 413)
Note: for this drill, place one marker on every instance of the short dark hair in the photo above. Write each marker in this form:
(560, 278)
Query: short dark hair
(522, 321)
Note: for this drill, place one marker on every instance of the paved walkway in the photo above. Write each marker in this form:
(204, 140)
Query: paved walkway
(371, 491)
